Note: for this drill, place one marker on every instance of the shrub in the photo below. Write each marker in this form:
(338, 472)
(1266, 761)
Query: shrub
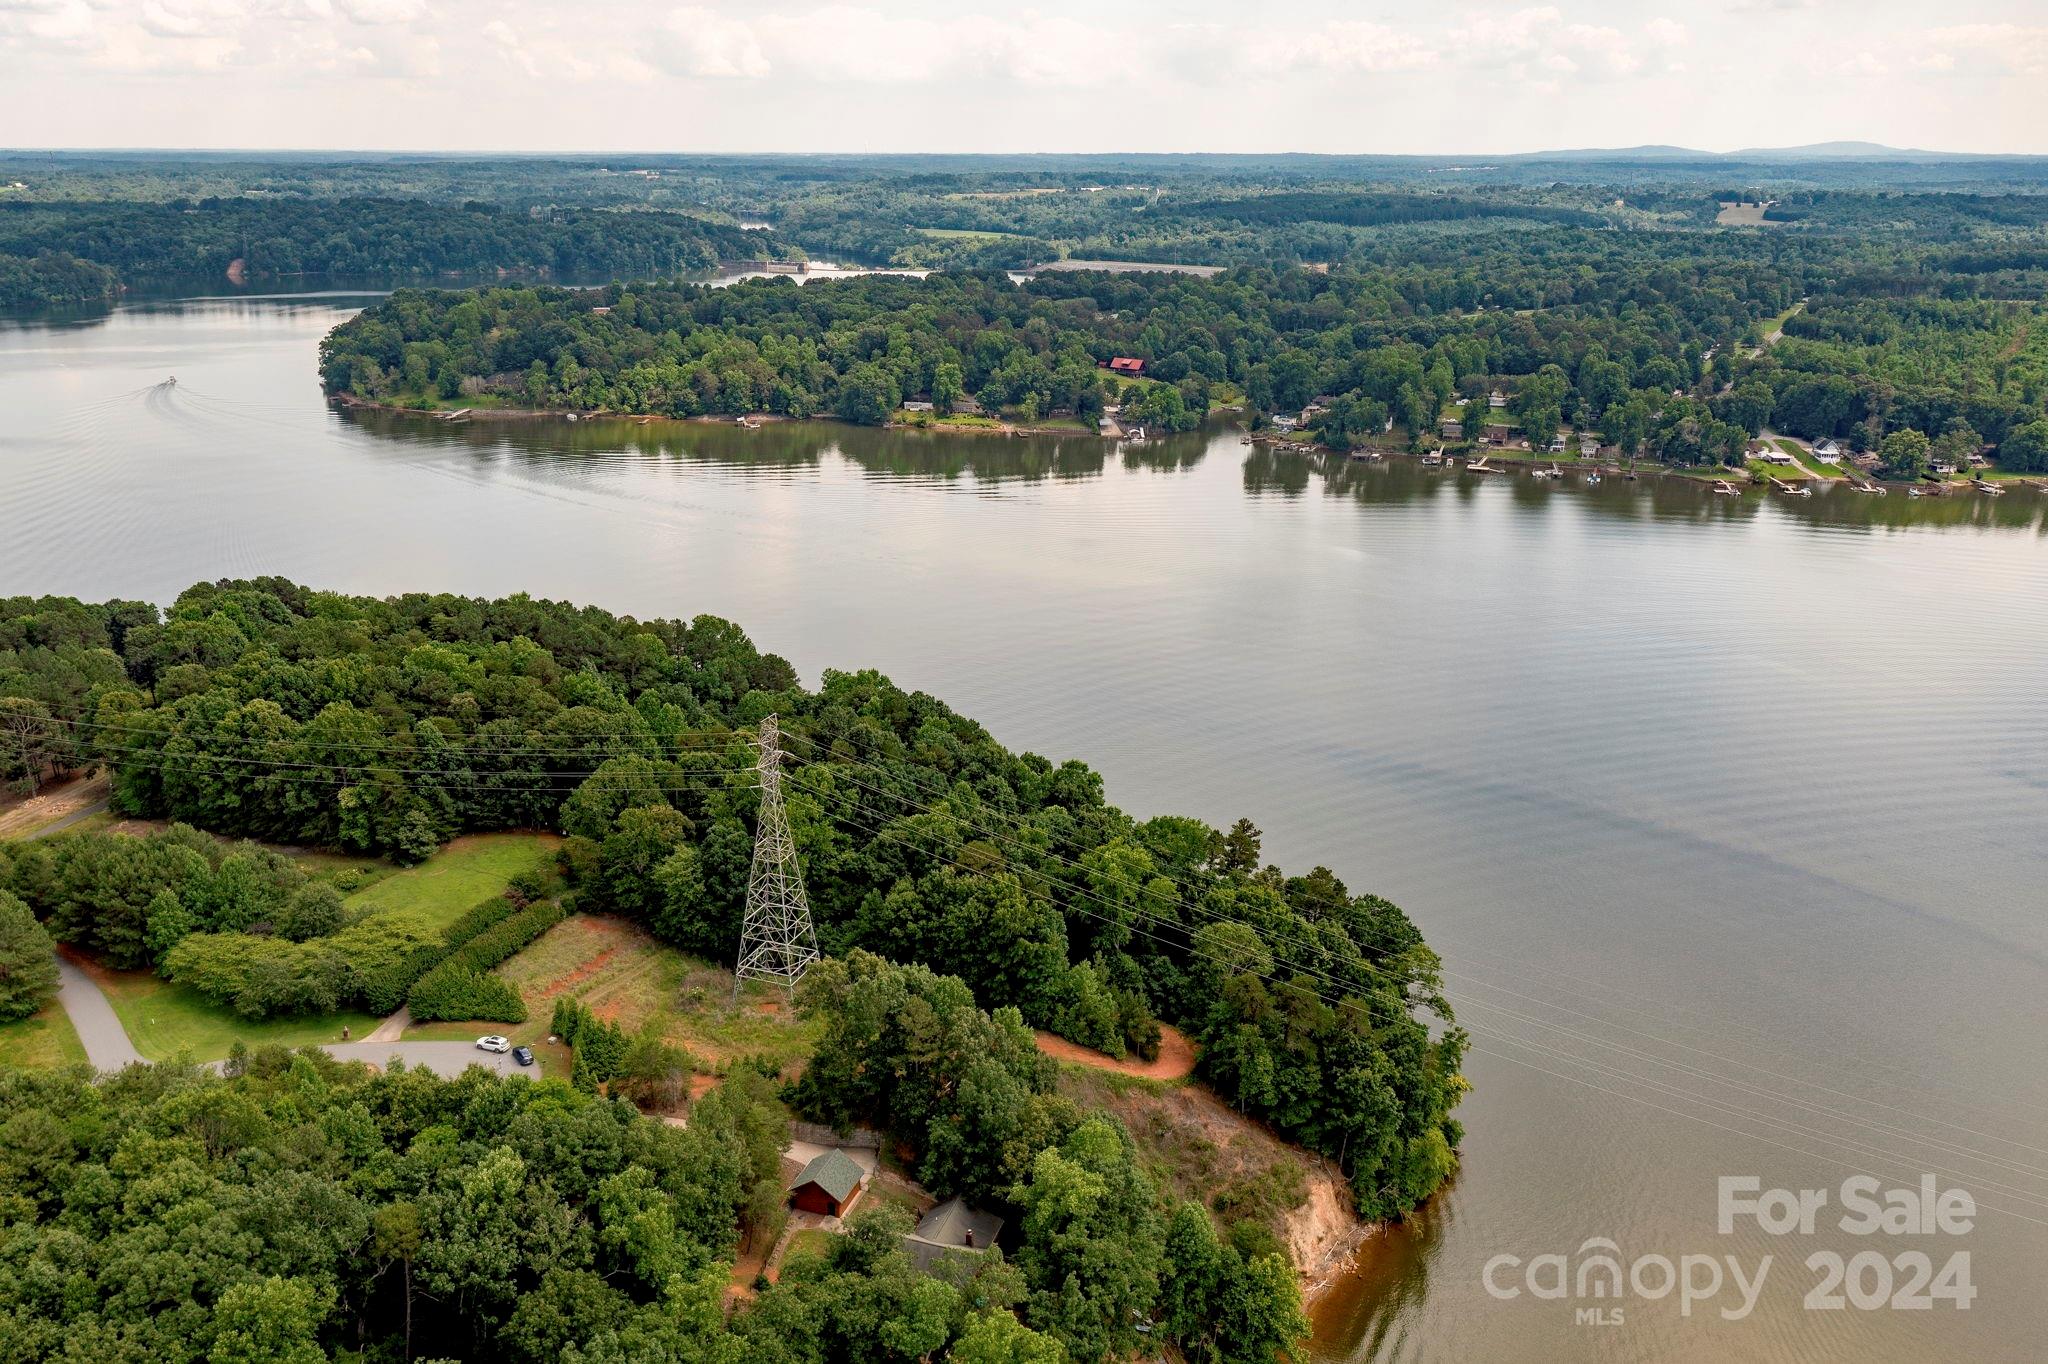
(598, 1048)
(488, 914)
(260, 977)
(450, 993)
(387, 954)
(28, 961)
(373, 962)
(460, 986)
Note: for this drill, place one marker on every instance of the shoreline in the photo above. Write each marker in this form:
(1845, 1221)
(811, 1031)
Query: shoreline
(1509, 461)
(525, 414)
(1506, 461)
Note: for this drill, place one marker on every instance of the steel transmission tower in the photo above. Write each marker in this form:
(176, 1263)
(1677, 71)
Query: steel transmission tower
(777, 942)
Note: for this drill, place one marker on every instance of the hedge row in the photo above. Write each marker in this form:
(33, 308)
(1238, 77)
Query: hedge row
(449, 992)
(597, 1048)
(461, 986)
(390, 984)
(478, 918)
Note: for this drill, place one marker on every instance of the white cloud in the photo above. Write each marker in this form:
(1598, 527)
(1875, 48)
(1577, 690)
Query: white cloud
(871, 73)
(710, 45)
(1601, 49)
(1343, 46)
(1516, 31)
(2021, 49)
(866, 46)
(378, 12)
(1664, 32)
(542, 55)
(191, 18)
(56, 22)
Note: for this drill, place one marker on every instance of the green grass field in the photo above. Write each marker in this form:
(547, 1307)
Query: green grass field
(457, 878)
(42, 1042)
(164, 1020)
(1777, 324)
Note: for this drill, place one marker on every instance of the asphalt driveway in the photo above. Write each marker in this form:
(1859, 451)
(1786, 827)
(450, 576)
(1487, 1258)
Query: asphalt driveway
(108, 1048)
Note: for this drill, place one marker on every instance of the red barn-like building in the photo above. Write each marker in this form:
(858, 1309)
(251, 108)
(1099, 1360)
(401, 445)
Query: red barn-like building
(829, 1185)
(1127, 365)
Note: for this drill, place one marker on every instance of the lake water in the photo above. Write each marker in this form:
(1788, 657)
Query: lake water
(1727, 816)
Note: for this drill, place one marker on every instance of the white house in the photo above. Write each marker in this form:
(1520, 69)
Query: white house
(1827, 452)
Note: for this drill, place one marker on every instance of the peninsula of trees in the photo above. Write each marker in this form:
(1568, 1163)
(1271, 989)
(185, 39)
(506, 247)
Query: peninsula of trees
(964, 894)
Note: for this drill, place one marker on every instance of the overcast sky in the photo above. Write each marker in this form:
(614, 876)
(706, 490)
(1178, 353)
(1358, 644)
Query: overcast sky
(1059, 75)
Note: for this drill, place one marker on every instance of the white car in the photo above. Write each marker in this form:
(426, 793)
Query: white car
(493, 1043)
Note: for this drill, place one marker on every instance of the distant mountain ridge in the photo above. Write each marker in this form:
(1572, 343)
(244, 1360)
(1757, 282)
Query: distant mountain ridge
(1812, 151)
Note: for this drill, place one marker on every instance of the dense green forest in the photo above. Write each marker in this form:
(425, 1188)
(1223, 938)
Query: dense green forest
(395, 238)
(1662, 349)
(300, 1209)
(52, 278)
(264, 710)
(1601, 292)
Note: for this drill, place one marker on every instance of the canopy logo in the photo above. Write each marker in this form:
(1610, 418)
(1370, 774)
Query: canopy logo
(1598, 1284)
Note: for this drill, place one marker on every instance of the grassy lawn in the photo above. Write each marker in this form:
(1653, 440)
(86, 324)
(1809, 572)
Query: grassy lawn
(43, 1041)
(1777, 324)
(1805, 465)
(457, 878)
(814, 1241)
(624, 975)
(938, 422)
(164, 1020)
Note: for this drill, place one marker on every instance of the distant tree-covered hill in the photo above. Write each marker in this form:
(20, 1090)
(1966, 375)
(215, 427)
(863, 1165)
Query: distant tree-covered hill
(386, 238)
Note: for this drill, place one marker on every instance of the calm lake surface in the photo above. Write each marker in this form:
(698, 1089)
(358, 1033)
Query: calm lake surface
(1729, 818)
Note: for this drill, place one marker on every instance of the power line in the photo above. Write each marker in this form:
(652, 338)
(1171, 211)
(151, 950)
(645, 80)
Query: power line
(777, 940)
(833, 762)
(1368, 1002)
(724, 781)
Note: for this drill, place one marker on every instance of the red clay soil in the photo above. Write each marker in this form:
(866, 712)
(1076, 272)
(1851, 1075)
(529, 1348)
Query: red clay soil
(1176, 1056)
(580, 974)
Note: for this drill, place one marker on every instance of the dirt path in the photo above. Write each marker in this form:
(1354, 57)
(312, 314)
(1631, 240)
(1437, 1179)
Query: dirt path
(1176, 1056)
(58, 807)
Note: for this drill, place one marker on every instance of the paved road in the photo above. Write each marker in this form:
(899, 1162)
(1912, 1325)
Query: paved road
(108, 1048)
(443, 1058)
(106, 1041)
(392, 1028)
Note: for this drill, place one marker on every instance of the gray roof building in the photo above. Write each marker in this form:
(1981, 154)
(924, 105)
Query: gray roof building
(951, 1228)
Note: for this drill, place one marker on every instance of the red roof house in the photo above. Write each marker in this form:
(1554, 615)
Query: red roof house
(1124, 364)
